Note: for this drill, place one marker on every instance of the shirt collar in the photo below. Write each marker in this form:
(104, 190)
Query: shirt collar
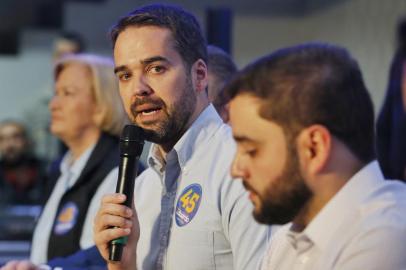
(299, 241)
(342, 206)
(197, 135)
(155, 159)
(75, 167)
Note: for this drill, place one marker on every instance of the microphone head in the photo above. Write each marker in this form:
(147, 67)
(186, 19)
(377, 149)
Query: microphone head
(131, 141)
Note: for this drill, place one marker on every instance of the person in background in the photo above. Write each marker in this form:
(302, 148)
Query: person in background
(68, 43)
(303, 121)
(189, 213)
(22, 174)
(36, 115)
(221, 68)
(391, 124)
(87, 115)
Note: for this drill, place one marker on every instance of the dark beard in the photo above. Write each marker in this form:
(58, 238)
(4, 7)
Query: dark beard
(169, 131)
(283, 200)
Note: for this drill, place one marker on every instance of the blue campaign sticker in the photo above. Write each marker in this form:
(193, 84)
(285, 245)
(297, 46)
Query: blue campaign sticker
(66, 218)
(188, 204)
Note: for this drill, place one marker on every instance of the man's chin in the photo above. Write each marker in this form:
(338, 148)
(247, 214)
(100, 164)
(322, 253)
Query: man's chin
(268, 220)
(155, 136)
(272, 215)
(260, 218)
(258, 213)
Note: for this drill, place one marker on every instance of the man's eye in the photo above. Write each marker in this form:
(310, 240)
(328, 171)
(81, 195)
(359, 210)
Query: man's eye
(251, 152)
(157, 69)
(124, 76)
(247, 150)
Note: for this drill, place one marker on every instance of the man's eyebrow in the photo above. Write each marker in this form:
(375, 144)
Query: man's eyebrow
(241, 138)
(143, 62)
(154, 59)
(120, 68)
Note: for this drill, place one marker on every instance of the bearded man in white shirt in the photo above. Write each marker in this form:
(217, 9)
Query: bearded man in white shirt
(304, 125)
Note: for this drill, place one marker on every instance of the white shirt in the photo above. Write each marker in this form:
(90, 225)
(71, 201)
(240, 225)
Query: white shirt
(192, 214)
(69, 175)
(362, 227)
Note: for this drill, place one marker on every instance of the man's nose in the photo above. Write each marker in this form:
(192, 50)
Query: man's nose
(237, 168)
(141, 86)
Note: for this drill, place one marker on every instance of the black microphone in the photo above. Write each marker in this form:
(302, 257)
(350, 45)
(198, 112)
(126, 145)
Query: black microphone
(131, 144)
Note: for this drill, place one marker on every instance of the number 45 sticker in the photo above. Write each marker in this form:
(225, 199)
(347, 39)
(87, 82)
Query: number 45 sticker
(188, 204)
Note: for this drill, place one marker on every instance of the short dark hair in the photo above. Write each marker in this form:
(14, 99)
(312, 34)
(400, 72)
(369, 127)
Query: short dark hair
(187, 34)
(222, 67)
(221, 63)
(309, 84)
(76, 38)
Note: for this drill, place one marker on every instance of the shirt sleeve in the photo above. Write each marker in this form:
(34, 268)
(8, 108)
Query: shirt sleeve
(108, 186)
(248, 238)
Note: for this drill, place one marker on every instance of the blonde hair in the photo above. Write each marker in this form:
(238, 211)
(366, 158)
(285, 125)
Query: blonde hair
(104, 89)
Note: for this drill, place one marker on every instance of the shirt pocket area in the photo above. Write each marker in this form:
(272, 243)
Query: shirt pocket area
(191, 249)
(199, 249)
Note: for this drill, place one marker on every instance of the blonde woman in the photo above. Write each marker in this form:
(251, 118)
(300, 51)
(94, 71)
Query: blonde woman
(87, 115)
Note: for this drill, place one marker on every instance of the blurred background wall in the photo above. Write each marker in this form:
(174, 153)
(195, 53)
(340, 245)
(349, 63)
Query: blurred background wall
(365, 27)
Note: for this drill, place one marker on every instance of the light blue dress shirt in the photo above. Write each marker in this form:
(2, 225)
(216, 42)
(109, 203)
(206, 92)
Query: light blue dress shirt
(192, 214)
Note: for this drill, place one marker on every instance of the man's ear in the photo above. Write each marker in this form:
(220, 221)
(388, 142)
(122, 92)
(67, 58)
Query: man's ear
(314, 148)
(199, 75)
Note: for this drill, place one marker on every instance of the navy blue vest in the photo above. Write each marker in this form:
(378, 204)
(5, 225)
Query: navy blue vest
(72, 210)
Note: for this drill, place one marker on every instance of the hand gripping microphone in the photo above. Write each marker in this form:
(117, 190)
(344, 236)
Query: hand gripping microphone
(131, 144)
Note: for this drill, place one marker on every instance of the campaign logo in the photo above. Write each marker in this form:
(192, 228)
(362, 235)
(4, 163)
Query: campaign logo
(188, 204)
(66, 218)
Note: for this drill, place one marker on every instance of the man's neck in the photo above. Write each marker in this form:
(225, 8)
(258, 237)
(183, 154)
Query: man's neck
(307, 213)
(328, 185)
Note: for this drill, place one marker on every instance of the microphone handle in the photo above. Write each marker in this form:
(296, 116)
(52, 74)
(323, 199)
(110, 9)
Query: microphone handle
(125, 185)
(126, 177)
